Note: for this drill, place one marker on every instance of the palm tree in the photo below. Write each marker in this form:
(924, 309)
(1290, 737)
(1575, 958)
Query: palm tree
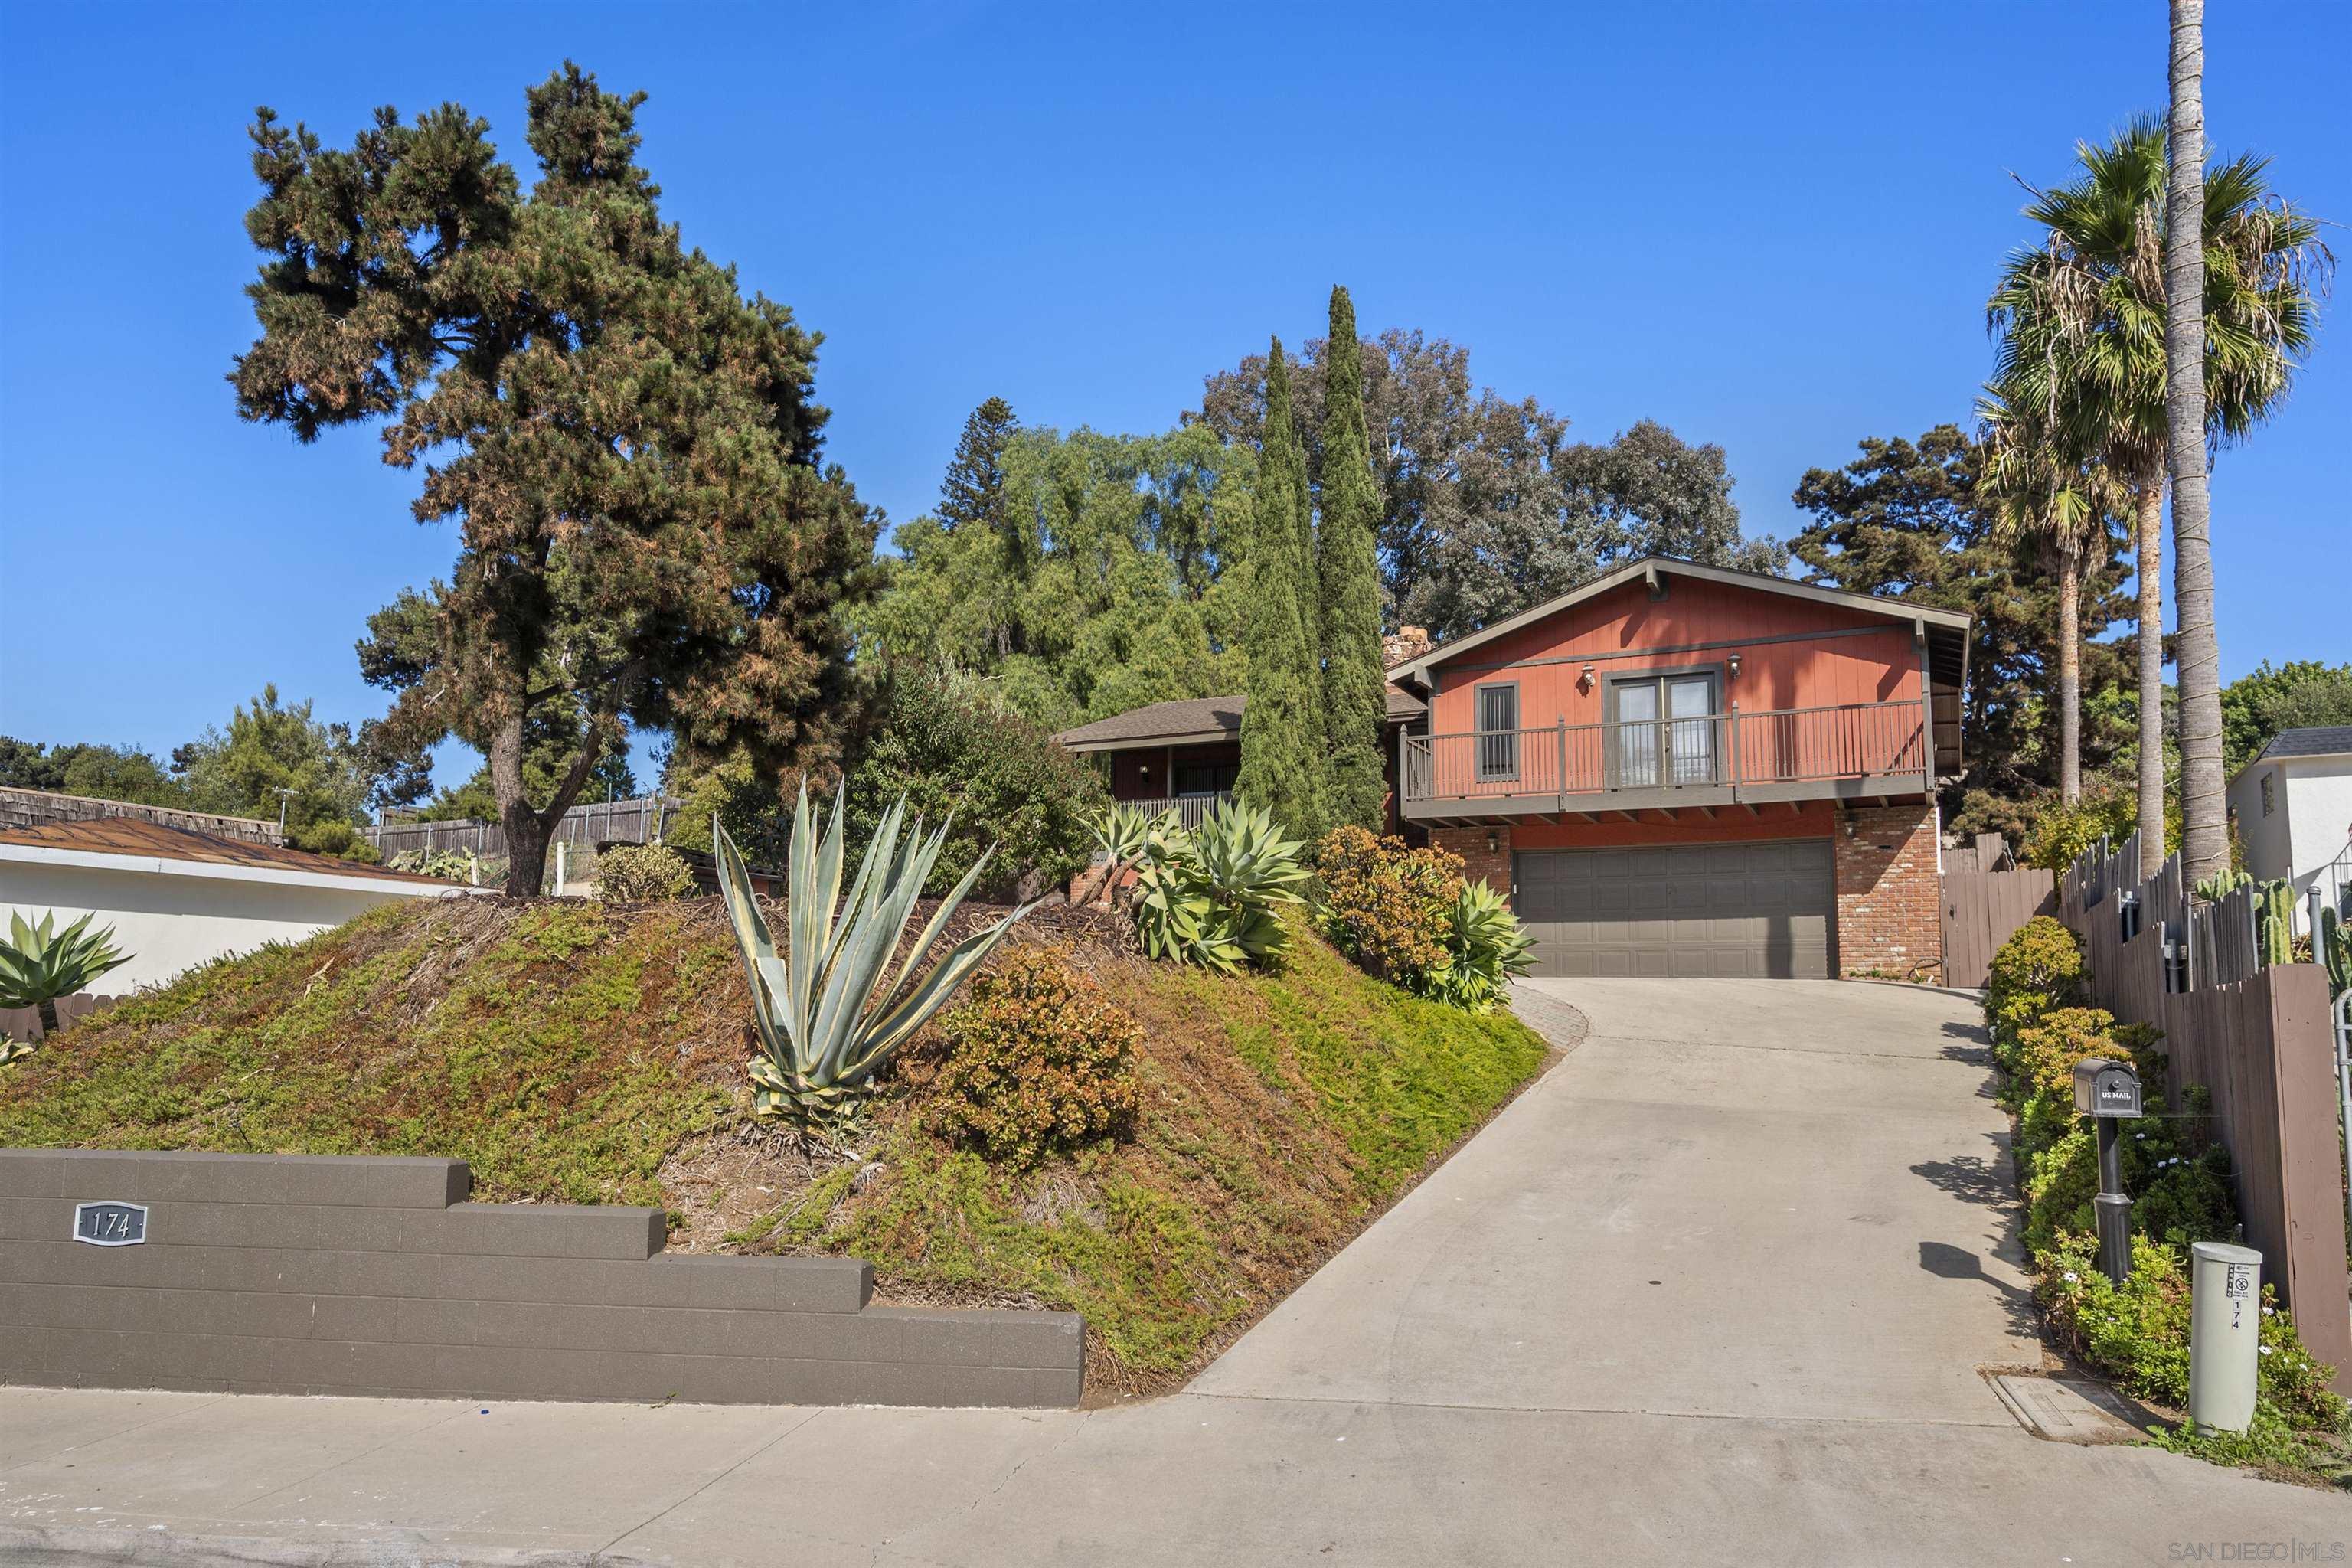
(2039, 489)
(2081, 322)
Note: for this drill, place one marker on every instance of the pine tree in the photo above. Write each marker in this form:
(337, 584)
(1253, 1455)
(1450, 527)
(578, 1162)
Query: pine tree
(1355, 702)
(971, 496)
(1281, 723)
(650, 535)
(973, 491)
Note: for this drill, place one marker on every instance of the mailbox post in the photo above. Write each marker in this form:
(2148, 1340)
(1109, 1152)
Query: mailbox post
(2108, 1093)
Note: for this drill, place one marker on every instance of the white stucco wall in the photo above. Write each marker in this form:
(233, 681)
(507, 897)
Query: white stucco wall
(168, 922)
(2310, 819)
(2265, 837)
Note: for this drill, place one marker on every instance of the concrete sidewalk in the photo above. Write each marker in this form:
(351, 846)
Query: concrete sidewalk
(1717, 1289)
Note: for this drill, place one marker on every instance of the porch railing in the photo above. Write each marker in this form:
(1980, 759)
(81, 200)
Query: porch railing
(1190, 808)
(1789, 746)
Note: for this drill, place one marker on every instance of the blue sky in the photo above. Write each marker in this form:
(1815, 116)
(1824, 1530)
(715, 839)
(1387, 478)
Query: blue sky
(1768, 227)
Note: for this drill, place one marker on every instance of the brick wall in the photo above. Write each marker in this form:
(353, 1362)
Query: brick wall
(1888, 899)
(290, 1274)
(1492, 866)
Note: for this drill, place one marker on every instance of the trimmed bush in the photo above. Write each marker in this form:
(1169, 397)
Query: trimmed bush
(1039, 1061)
(2178, 1178)
(640, 874)
(2038, 968)
(1384, 905)
(1410, 917)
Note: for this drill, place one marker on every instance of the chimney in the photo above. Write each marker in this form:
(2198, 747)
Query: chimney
(1405, 643)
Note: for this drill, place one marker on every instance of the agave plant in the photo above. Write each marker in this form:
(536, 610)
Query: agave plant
(1125, 837)
(1488, 946)
(1211, 898)
(830, 1012)
(39, 963)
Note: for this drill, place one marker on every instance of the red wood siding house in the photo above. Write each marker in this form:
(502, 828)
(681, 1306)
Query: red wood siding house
(1682, 770)
(1675, 770)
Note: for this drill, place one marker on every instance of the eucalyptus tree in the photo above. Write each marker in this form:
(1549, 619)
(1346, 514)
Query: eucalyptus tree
(629, 448)
(2079, 319)
(2043, 495)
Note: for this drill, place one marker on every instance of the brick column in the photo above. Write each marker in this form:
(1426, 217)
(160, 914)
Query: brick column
(1889, 900)
(1480, 864)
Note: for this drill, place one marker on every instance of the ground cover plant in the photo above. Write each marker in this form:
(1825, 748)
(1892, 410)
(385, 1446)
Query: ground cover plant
(2177, 1176)
(579, 1053)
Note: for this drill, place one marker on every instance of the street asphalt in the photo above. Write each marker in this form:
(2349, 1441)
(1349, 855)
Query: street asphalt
(1721, 1289)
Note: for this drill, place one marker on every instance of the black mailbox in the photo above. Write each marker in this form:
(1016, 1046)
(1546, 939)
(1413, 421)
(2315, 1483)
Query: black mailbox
(2106, 1088)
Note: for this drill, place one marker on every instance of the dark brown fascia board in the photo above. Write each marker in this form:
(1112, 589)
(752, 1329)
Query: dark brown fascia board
(1416, 670)
(1136, 743)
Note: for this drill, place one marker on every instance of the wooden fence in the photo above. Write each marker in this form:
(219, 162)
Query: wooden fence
(1981, 910)
(2260, 1039)
(635, 821)
(25, 1023)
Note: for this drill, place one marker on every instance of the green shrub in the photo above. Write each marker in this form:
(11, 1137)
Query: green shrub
(2178, 1179)
(1039, 1059)
(2137, 1334)
(2038, 968)
(953, 750)
(1385, 906)
(449, 865)
(2061, 832)
(1410, 917)
(640, 874)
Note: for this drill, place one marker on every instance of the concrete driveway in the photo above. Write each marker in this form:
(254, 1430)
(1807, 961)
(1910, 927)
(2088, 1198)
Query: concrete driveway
(1716, 1290)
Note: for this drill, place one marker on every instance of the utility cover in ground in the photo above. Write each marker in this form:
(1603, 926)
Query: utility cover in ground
(2065, 1412)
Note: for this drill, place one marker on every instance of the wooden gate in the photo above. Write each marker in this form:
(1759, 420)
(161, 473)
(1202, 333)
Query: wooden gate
(1982, 909)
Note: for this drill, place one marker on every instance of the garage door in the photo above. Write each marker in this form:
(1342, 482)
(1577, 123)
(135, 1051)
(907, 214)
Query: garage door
(1760, 911)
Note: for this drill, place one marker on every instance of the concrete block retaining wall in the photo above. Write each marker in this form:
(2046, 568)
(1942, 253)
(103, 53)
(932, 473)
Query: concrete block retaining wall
(300, 1274)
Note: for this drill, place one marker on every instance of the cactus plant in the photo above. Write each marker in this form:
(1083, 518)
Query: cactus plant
(2332, 946)
(2220, 885)
(830, 1016)
(2274, 922)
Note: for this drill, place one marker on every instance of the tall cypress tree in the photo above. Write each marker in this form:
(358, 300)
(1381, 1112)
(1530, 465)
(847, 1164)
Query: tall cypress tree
(1355, 702)
(1282, 729)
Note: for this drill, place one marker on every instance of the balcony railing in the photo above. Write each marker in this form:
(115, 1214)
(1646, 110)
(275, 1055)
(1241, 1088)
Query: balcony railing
(1792, 753)
(1190, 808)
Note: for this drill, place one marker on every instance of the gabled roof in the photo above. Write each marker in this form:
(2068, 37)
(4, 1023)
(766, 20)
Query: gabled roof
(1946, 630)
(1192, 721)
(150, 845)
(1186, 722)
(2315, 740)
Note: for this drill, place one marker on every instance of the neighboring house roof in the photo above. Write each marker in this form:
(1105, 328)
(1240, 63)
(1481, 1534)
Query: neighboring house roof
(1946, 630)
(127, 844)
(2318, 741)
(1192, 720)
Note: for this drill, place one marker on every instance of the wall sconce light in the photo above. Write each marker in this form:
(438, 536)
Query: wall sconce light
(1734, 667)
(1493, 841)
(1584, 680)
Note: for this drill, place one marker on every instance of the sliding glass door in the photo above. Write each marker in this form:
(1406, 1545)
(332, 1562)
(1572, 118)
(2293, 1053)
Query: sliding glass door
(1662, 730)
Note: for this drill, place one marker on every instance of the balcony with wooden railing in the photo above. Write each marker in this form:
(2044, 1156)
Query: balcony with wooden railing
(1852, 751)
